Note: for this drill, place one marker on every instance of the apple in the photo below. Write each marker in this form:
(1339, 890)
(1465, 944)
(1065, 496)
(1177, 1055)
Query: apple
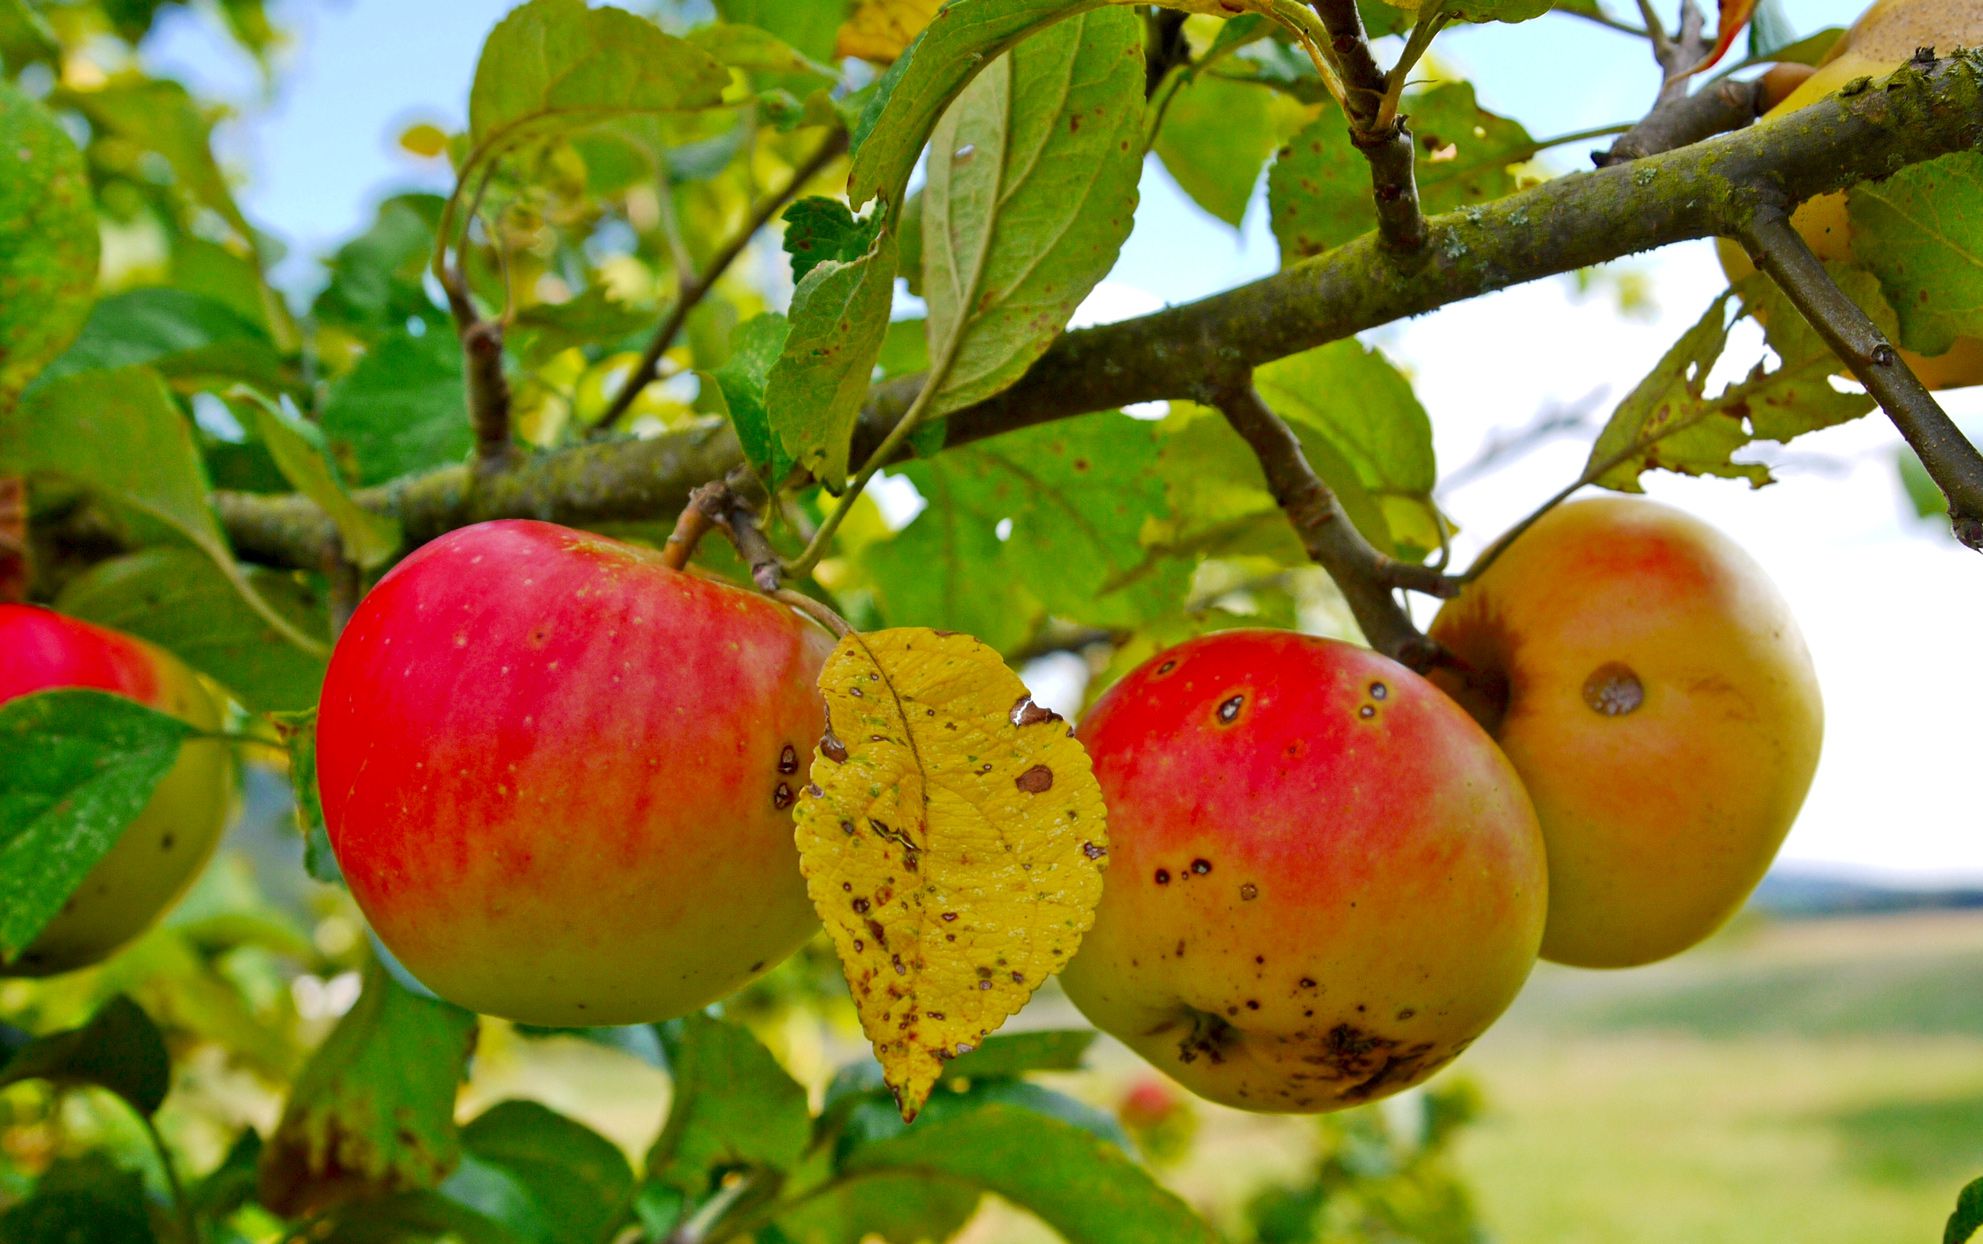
(1650, 686)
(558, 774)
(160, 853)
(1885, 37)
(1325, 880)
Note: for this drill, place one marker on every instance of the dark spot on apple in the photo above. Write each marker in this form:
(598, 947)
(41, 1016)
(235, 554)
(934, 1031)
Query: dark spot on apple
(1308, 982)
(1209, 1037)
(1034, 780)
(1163, 876)
(788, 760)
(1378, 691)
(1201, 866)
(782, 797)
(168, 841)
(1407, 1013)
(758, 966)
(1248, 892)
(1252, 1004)
(1613, 690)
(1166, 668)
(1367, 712)
(1229, 711)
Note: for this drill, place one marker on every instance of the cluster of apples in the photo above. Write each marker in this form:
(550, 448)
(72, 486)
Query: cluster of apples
(558, 775)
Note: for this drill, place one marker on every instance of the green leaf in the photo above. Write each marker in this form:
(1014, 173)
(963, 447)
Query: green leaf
(904, 1207)
(808, 25)
(555, 65)
(299, 739)
(178, 599)
(1668, 422)
(1967, 1219)
(1216, 137)
(962, 39)
(1921, 232)
(1485, 10)
(83, 1200)
(839, 319)
(119, 435)
(819, 230)
(1364, 431)
(158, 115)
(48, 241)
(1087, 1190)
(592, 318)
(180, 335)
(402, 409)
(1319, 188)
(1810, 50)
(373, 1110)
(574, 1183)
(743, 378)
(367, 539)
(119, 1049)
(745, 47)
(25, 38)
(375, 279)
(1077, 494)
(734, 1107)
(1032, 185)
(76, 768)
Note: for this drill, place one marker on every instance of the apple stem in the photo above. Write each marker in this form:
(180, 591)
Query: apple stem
(816, 610)
(704, 510)
(1952, 462)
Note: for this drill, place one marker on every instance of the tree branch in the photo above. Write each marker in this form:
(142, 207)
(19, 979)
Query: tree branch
(693, 287)
(1726, 105)
(1384, 140)
(1952, 462)
(1709, 188)
(1367, 578)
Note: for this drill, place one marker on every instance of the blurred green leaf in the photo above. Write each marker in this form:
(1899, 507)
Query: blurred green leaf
(1215, 138)
(369, 540)
(177, 599)
(1018, 1053)
(1030, 193)
(375, 279)
(1083, 1187)
(299, 739)
(590, 318)
(1921, 232)
(183, 336)
(839, 319)
(742, 46)
(119, 1049)
(48, 242)
(734, 1107)
(373, 1110)
(402, 409)
(158, 115)
(76, 768)
(82, 1201)
(1967, 1219)
(25, 37)
(574, 1183)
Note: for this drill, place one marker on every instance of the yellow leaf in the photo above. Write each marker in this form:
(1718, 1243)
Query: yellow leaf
(880, 29)
(426, 141)
(953, 840)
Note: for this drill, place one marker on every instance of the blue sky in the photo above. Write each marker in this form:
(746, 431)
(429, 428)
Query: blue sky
(1894, 793)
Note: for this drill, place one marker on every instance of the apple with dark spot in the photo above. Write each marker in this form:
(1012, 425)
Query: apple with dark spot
(558, 774)
(1325, 881)
(158, 855)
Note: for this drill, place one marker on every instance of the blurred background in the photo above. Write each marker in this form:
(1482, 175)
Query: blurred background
(1815, 1073)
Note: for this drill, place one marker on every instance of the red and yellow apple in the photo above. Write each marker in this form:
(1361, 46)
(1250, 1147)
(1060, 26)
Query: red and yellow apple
(1647, 681)
(1325, 880)
(558, 774)
(159, 853)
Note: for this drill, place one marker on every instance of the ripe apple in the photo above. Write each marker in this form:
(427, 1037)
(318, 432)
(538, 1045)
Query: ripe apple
(160, 853)
(1325, 880)
(558, 774)
(1651, 687)
(1883, 38)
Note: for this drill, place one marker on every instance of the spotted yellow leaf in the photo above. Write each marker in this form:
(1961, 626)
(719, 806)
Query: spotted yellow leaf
(879, 30)
(953, 841)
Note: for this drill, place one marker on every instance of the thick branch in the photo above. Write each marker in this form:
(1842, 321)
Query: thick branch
(1713, 187)
(1952, 462)
(1367, 578)
(1384, 141)
(488, 392)
(693, 287)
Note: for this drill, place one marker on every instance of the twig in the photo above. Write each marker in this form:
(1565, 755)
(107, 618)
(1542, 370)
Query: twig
(740, 523)
(1724, 106)
(702, 512)
(693, 287)
(1680, 57)
(1367, 578)
(1952, 462)
(1503, 445)
(1370, 103)
(1599, 17)
(481, 348)
(14, 567)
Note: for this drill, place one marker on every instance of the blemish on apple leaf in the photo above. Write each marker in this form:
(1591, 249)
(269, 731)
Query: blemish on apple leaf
(1000, 825)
